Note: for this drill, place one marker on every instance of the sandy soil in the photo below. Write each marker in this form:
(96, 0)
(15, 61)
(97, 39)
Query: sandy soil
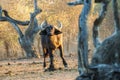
(32, 69)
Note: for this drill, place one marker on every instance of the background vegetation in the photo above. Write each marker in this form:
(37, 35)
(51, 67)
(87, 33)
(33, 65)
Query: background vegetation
(53, 10)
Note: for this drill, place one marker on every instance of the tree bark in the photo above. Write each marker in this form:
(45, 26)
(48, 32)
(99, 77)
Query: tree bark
(83, 38)
(26, 40)
(83, 35)
(108, 51)
(74, 3)
(105, 64)
(98, 21)
(116, 16)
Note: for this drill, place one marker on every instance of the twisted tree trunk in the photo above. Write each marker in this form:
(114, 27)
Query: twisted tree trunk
(108, 51)
(83, 38)
(105, 64)
(83, 35)
(26, 39)
(97, 22)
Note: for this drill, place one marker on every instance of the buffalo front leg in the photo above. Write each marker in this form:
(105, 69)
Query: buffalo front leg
(51, 67)
(45, 54)
(62, 56)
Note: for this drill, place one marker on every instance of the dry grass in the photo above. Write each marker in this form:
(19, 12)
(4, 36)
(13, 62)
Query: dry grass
(52, 12)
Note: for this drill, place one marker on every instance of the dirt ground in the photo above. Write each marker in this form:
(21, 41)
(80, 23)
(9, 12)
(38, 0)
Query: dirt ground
(32, 69)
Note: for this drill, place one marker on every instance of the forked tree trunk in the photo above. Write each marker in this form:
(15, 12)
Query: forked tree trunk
(105, 64)
(26, 39)
(97, 23)
(108, 51)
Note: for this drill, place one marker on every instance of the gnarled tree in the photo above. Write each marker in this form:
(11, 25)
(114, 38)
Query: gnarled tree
(106, 59)
(83, 35)
(107, 52)
(26, 39)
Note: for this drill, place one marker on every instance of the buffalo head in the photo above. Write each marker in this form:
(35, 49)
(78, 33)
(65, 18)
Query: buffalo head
(50, 30)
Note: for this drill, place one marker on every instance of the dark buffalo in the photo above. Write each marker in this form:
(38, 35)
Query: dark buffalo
(51, 39)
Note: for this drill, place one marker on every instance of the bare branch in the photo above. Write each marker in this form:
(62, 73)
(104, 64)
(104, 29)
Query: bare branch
(32, 18)
(74, 3)
(0, 11)
(35, 5)
(116, 15)
(17, 29)
(8, 18)
(12, 21)
(15, 21)
(97, 23)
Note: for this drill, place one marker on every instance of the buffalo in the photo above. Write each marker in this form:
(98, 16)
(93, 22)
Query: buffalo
(51, 39)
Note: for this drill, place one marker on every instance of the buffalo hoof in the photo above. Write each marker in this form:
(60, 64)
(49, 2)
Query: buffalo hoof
(66, 66)
(65, 63)
(50, 69)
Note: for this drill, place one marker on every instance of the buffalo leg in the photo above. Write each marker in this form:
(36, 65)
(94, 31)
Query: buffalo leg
(51, 60)
(62, 56)
(45, 51)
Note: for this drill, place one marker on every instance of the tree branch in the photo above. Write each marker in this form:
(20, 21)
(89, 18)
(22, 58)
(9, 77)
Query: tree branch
(11, 19)
(116, 15)
(17, 29)
(97, 23)
(75, 3)
(35, 5)
(0, 11)
(14, 25)
(32, 18)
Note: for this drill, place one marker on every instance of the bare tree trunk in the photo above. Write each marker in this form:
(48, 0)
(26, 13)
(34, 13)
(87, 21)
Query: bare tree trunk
(106, 59)
(83, 35)
(83, 38)
(105, 63)
(26, 40)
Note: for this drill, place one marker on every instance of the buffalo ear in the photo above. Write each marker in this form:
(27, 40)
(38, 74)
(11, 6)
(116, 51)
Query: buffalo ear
(57, 32)
(43, 32)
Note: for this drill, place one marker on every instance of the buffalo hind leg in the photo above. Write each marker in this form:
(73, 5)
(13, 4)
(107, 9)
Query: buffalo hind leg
(62, 56)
